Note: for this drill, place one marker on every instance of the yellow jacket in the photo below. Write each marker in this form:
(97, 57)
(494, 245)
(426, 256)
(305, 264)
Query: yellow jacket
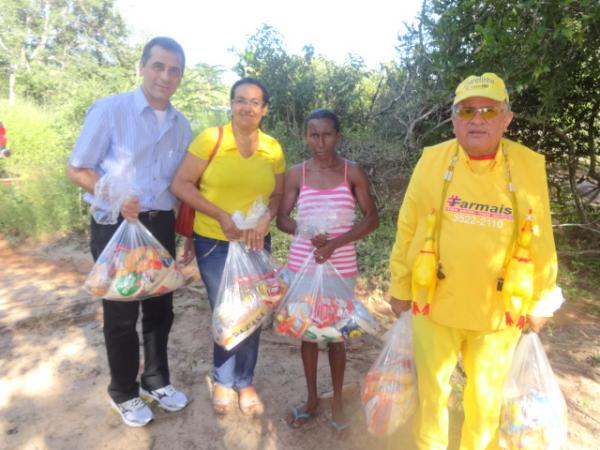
(476, 230)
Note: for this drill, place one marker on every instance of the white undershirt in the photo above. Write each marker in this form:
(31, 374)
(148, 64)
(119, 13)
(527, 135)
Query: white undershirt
(160, 117)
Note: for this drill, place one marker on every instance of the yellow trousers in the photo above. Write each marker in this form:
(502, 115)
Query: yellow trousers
(486, 358)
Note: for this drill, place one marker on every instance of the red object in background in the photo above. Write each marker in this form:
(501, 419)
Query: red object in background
(2, 136)
(184, 223)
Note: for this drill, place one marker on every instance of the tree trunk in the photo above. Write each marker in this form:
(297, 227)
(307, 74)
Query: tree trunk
(572, 169)
(12, 86)
(592, 141)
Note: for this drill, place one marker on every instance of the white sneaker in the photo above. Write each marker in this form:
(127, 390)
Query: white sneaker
(167, 397)
(134, 412)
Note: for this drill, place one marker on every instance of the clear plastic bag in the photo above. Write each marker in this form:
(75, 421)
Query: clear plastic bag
(250, 287)
(534, 412)
(110, 192)
(320, 307)
(252, 217)
(133, 266)
(269, 281)
(389, 393)
(321, 223)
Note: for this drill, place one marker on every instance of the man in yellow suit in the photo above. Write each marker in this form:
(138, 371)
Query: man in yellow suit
(482, 187)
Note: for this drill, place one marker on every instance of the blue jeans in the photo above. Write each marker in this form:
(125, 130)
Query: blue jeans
(232, 368)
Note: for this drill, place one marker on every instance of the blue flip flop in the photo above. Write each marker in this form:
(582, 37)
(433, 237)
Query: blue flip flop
(299, 417)
(339, 427)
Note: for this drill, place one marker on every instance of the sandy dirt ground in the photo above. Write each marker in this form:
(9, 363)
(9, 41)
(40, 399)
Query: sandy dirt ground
(53, 371)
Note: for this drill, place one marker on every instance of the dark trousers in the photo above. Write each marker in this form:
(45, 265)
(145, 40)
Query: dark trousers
(120, 318)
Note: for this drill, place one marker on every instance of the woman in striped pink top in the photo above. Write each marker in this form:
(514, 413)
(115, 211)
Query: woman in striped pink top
(325, 190)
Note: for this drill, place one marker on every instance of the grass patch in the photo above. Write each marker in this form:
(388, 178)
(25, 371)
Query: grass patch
(41, 201)
(578, 268)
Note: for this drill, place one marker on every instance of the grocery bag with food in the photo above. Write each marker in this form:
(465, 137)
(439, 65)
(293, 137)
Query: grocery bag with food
(389, 393)
(133, 265)
(320, 306)
(250, 286)
(534, 412)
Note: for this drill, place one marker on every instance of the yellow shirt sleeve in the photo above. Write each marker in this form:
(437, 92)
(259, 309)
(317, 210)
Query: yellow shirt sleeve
(400, 284)
(275, 154)
(204, 143)
(279, 161)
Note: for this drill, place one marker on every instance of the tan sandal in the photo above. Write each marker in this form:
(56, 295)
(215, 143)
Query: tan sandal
(251, 404)
(222, 399)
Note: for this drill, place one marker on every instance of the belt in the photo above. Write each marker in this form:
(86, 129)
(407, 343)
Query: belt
(154, 214)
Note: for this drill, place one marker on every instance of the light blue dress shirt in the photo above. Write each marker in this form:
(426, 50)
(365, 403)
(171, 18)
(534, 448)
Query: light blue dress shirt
(121, 135)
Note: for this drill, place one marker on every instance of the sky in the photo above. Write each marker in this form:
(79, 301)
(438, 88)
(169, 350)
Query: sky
(208, 29)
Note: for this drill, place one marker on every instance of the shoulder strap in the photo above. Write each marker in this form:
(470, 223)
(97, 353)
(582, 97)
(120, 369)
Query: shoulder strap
(215, 149)
(217, 144)
(303, 173)
(346, 170)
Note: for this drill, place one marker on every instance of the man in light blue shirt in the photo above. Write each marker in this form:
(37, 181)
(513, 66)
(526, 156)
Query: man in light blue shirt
(140, 136)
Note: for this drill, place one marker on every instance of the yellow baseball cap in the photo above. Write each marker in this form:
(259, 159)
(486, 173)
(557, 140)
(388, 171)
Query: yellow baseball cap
(488, 85)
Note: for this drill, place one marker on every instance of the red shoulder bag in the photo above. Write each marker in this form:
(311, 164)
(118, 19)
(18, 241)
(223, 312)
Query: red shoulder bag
(184, 224)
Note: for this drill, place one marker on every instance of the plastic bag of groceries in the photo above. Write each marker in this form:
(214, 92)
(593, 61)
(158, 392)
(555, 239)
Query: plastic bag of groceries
(389, 393)
(534, 412)
(110, 192)
(249, 289)
(133, 266)
(320, 306)
(321, 222)
(267, 272)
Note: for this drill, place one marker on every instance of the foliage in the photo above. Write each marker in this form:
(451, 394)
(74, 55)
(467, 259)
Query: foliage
(201, 96)
(41, 200)
(373, 252)
(300, 83)
(58, 56)
(547, 52)
(414, 103)
(43, 42)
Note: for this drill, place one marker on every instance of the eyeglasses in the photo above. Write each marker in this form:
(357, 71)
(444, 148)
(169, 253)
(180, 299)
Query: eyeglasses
(487, 113)
(254, 103)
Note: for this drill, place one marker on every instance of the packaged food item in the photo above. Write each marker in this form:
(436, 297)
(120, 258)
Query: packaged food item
(389, 393)
(250, 286)
(534, 412)
(133, 266)
(267, 279)
(320, 307)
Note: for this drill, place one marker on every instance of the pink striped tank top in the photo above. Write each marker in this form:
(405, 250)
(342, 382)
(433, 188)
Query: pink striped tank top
(312, 204)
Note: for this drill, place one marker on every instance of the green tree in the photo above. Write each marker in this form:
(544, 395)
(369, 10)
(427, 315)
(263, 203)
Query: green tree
(41, 39)
(290, 79)
(301, 83)
(202, 97)
(547, 52)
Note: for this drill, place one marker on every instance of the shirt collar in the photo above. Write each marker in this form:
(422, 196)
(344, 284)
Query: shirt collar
(141, 103)
(229, 139)
(494, 163)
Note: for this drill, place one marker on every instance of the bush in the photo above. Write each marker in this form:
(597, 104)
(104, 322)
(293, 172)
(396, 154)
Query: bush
(41, 200)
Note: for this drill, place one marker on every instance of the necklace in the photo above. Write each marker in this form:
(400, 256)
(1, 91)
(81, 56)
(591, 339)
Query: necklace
(513, 199)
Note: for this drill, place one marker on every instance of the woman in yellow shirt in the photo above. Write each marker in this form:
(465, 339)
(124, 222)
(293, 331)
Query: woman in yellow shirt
(224, 171)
